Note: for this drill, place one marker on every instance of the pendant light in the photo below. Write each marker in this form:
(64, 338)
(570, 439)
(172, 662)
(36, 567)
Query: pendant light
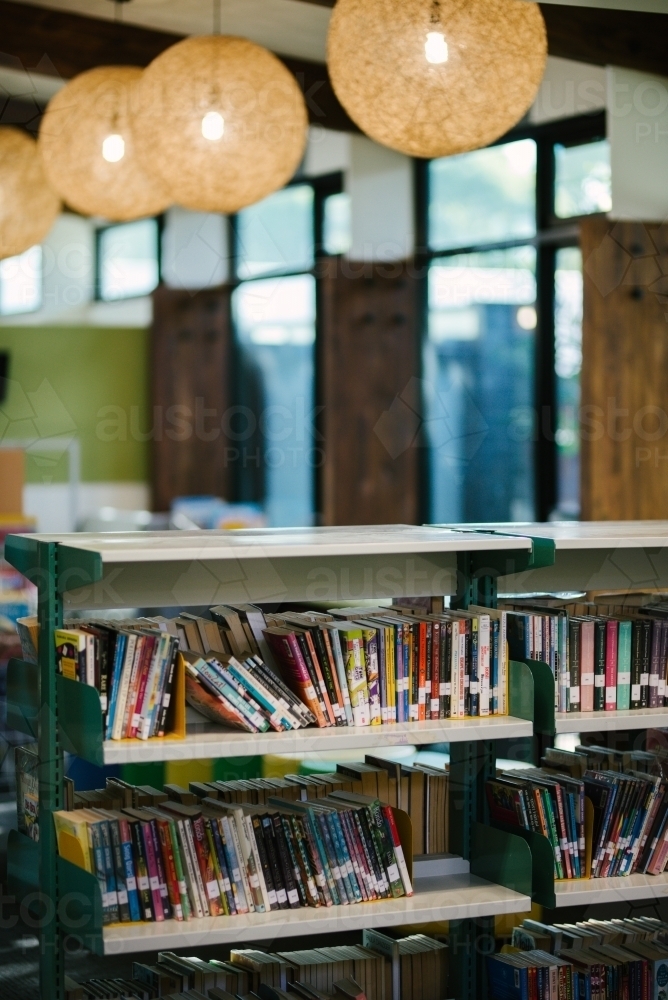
(28, 206)
(436, 77)
(88, 150)
(220, 121)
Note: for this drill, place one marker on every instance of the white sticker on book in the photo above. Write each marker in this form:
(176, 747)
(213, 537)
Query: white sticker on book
(131, 884)
(611, 696)
(254, 880)
(467, 680)
(271, 896)
(575, 695)
(653, 680)
(644, 680)
(444, 689)
(282, 896)
(475, 687)
(623, 677)
(143, 882)
(422, 696)
(661, 689)
(293, 896)
(154, 883)
(227, 885)
(635, 692)
(183, 891)
(122, 897)
(434, 704)
(393, 873)
(587, 679)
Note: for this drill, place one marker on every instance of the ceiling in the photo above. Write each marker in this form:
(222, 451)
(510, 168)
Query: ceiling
(289, 27)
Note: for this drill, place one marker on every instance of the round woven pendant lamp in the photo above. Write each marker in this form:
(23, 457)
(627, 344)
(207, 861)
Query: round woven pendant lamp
(221, 121)
(88, 150)
(436, 77)
(28, 206)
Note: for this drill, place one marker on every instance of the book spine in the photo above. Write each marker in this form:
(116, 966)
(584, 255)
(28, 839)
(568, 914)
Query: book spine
(422, 669)
(137, 667)
(108, 856)
(179, 869)
(587, 666)
(140, 867)
(435, 694)
(473, 705)
(445, 684)
(464, 678)
(484, 663)
(272, 901)
(356, 675)
(574, 666)
(124, 908)
(655, 664)
(308, 868)
(327, 655)
(370, 649)
(152, 871)
(319, 652)
(206, 866)
(170, 868)
(146, 665)
(251, 861)
(189, 869)
(393, 833)
(222, 872)
(162, 870)
(356, 855)
(287, 652)
(663, 655)
(287, 870)
(99, 868)
(646, 657)
(233, 865)
(636, 663)
(165, 701)
(332, 637)
(123, 688)
(600, 640)
(624, 666)
(611, 653)
(292, 853)
(242, 869)
(332, 858)
(200, 884)
(318, 868)
(313, 665)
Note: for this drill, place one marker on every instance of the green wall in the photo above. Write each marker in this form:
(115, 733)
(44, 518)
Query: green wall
(90, 382)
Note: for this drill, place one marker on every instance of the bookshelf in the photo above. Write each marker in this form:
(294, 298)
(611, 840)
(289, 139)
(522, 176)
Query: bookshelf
(470, 563)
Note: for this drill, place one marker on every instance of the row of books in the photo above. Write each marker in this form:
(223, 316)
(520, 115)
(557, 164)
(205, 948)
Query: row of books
(383, 967)
(628, 832)
(603, 657)
(131, 664)
(601, 959)
(172, 859)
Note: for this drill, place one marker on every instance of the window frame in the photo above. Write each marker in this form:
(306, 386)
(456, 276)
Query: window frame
(552, 234)
(100, 230)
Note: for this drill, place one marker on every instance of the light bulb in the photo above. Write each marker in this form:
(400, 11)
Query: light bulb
(213, 126)
(436, 47)
(113, 148)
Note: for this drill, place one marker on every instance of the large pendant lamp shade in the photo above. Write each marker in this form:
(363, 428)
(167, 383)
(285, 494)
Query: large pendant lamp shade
(28, 206)
(220, 121)
(88, 149)
(436, 77)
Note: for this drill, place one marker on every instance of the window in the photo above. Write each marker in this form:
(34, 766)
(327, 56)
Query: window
(276, 246)
(503, 350)
(21, 283)
(128, 260)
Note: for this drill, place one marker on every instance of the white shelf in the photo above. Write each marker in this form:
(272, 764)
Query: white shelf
(216, 742)
(584, 892)
(458, 897)
(279, 543)
(606, 722)
(584, 534)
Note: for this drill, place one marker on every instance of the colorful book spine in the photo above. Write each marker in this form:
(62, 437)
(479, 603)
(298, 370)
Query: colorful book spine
(611, 656)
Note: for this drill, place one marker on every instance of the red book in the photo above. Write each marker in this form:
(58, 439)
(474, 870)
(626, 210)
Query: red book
(206, 868)
(422, 670)
(148, 652)
(398, 849)
(170, 868)
(435, 670)
(283, 644)
(611, 629)
(151, 869)
(318, 672)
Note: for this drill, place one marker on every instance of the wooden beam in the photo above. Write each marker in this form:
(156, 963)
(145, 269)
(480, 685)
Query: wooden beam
(61, 44)
(633, 39)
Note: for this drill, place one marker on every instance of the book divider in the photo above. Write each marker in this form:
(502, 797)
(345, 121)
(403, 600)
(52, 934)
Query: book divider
(68, 898)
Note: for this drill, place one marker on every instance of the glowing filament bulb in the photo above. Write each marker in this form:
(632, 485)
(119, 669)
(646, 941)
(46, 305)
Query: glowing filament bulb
(436, 47)
(213, 126)
(113, 148)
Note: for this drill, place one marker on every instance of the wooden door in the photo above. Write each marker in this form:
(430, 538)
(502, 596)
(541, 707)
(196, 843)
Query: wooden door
(190, 391)
(624, 411)
(369, 390)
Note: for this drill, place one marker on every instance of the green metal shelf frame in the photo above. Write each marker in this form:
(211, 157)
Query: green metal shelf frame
(65, 715)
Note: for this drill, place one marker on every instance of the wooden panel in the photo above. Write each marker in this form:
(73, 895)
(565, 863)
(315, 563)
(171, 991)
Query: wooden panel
(368, 358)
(625, 371)
(59, 43)
(190, 354)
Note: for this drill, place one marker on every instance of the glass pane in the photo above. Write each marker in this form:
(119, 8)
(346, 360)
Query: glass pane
(128, 260)
(582, 179)
(337, 224)
(479, 383)
(21, 282)
(276, 234)
(275, 327)
(483, 197)
(568, 362)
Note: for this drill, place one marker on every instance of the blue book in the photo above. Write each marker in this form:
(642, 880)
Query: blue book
(505, 980)
(119, 656)
(129, 866)
(624, 665)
